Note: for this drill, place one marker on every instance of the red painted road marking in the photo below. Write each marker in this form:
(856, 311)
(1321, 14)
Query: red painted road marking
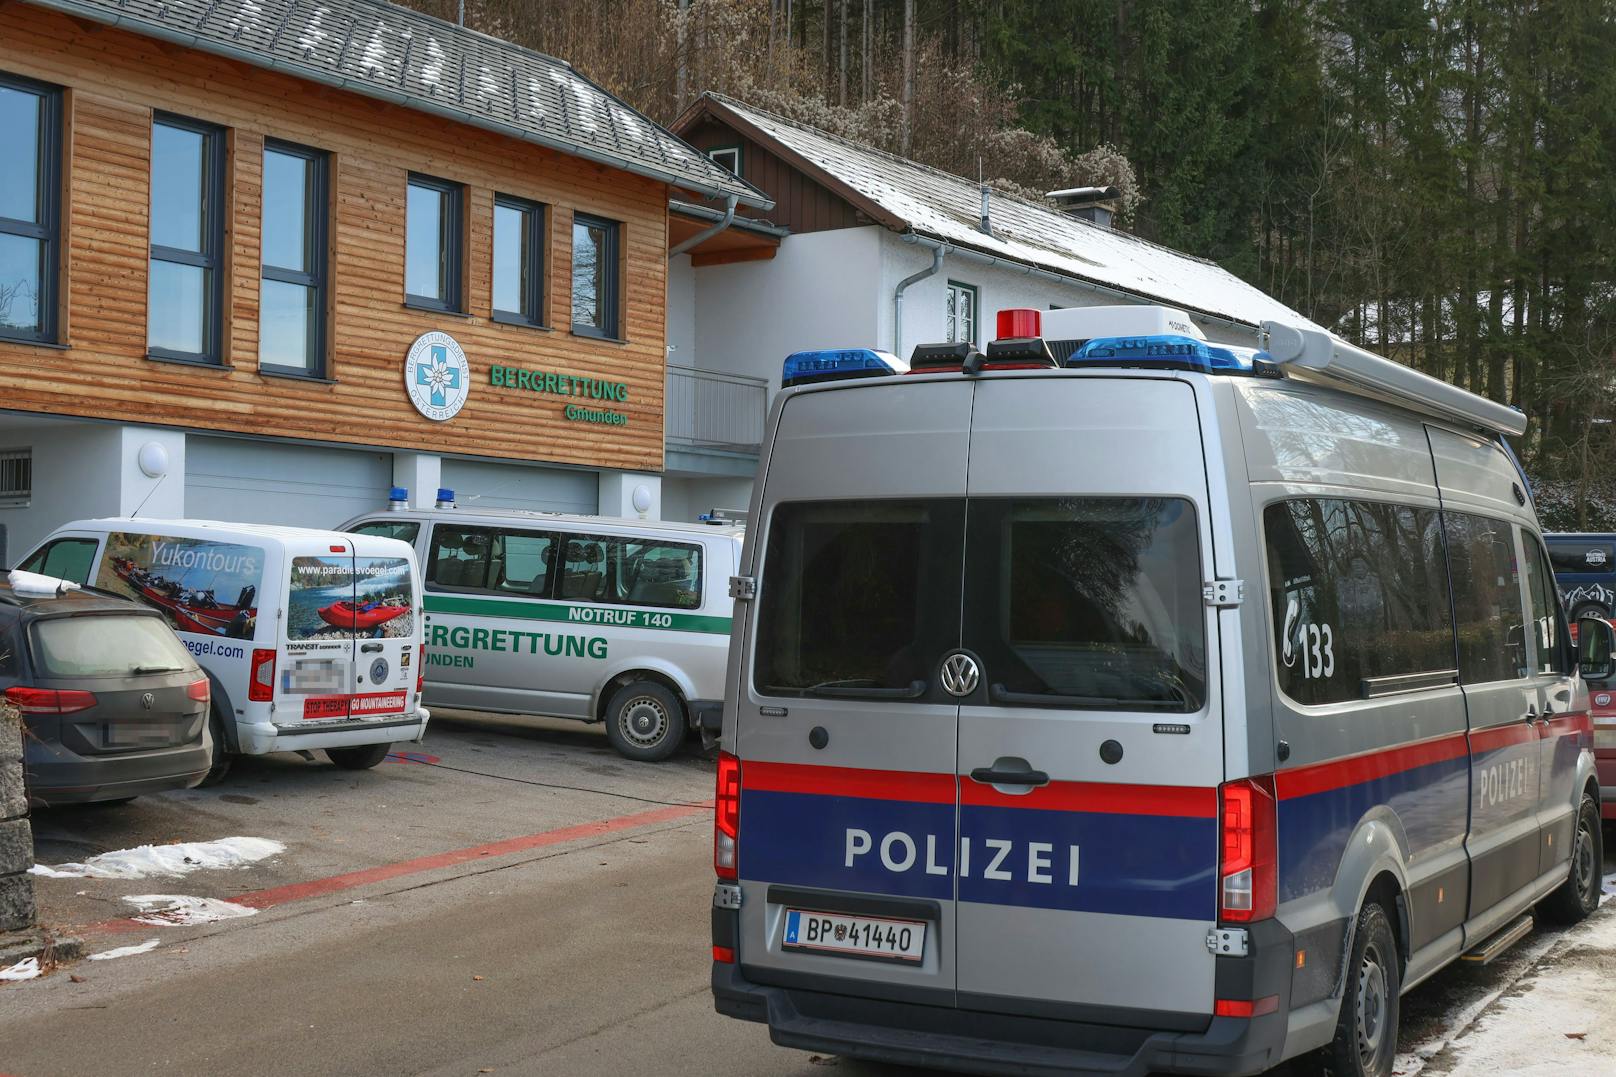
(281, 895)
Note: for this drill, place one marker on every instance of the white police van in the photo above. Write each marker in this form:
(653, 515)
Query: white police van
(1161, 708)
(600, 619)
(311, 639)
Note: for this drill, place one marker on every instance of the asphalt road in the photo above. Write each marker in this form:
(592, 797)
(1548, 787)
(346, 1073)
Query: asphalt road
(578, 946)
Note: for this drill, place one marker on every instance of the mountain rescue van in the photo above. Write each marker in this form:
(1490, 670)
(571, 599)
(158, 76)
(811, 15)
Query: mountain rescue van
(1171, 708)
(586, 617)
(311, 639)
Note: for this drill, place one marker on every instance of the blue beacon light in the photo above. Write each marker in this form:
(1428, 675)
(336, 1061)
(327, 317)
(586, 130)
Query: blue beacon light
(1166, 350)
(836, 364)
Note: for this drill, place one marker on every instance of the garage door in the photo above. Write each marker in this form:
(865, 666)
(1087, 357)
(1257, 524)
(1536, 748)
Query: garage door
(480, 485)
(264, 482)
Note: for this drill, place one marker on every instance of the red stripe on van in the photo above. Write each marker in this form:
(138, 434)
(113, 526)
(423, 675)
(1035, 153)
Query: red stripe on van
(918, 786)
(1197, 802)
(1571, 722)
(1502, 736)
(1353, 769)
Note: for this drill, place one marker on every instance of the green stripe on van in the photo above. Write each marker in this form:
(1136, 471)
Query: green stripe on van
(576, 613)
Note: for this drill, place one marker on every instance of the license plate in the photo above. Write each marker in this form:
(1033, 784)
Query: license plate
(138, 735)
(856, 936)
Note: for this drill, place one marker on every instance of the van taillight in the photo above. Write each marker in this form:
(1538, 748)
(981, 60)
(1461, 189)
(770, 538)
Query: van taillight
(727, 815)
(420, 670)
(261, 680)
(49, 700)
(199, 690)
(1248, 874)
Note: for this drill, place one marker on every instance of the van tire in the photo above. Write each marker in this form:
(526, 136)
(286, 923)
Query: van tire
(1365, 1043)
(219, 762)
(645, 722)
(1578, 896)
(361, 758)
(1589, 609)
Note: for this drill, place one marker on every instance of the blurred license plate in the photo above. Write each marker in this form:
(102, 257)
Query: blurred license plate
(137, 735)
(858, 936)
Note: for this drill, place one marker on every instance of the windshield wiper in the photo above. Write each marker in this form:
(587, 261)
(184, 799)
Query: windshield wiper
(156, 669)
(1000, 694)
(841, 689)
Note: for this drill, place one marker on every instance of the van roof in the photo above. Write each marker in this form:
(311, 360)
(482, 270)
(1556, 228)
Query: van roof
(566, 518)
(276, 532)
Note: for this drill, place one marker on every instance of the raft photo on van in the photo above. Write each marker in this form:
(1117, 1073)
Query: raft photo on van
(344, 597)
(201, 586)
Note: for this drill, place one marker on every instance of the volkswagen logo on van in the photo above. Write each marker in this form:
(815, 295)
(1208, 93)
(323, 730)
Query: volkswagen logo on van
(960, 674)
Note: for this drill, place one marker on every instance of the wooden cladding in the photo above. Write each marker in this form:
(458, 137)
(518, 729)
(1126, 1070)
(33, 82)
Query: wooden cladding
(116, 81)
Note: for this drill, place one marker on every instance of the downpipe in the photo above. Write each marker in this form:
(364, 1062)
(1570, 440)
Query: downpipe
(707, 233)
(938, 252)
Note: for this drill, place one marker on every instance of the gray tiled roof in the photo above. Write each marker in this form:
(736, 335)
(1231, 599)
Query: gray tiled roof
(910, 196)
(389, 52)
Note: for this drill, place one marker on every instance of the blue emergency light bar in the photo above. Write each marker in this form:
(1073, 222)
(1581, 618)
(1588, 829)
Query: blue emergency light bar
(835, 364)
(1167, 351)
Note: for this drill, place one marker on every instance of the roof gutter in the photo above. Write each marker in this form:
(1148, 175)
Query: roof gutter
(707, 233)
(1062, 279)
(938, 252)
(369, 89)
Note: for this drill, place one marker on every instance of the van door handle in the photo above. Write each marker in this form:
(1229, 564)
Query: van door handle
(370, 648)
(1531, 713)
(994, 776)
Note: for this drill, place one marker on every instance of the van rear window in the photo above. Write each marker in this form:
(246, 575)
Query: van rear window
(858, 598)
(107, 645)
(1087, 602)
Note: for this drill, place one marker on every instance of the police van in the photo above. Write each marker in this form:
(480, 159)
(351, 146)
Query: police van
(310, 639)
(599, 619)
(1160, 707)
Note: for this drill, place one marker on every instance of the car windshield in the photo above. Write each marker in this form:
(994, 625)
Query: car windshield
(106, 645)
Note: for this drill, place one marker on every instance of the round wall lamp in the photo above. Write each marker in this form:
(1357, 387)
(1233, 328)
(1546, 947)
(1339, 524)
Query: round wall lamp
(153, 459)
(642, 498)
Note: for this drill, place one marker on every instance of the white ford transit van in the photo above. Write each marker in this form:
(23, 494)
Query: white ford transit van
(1165, 708)
(601, 619)
(311, 639)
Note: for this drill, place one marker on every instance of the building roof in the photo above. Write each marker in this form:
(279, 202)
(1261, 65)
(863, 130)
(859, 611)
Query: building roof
(906, 196)
(392, 53)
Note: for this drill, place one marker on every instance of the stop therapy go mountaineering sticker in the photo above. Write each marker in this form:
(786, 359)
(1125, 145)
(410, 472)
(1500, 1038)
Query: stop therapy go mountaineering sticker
(436, 376)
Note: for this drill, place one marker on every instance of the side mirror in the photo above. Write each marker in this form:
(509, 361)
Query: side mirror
(1596, 649)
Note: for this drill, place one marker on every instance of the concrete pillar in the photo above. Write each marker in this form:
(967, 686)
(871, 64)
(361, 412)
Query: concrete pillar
(16, 839)
(421, 474)
(632, 494)
(151, 472)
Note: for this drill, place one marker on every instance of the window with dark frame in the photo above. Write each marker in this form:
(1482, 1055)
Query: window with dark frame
(727, 156)
(185, 286)
(518, 261)
(960, 314)
(434, 240)
(30, 208)
(292, 323)
(595, 268)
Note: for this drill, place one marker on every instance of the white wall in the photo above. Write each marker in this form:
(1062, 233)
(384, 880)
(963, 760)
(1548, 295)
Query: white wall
(683, 499)
(998, 288)
(820, 290)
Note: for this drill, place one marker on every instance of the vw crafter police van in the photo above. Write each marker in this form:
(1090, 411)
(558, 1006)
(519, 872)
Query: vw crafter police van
(311, 639)
(1162, 708)
(603, 620)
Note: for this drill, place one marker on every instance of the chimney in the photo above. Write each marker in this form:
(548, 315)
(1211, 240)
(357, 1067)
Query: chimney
(1097, 205)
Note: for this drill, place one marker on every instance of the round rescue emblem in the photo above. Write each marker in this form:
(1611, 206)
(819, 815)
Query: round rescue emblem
(1602, 699)
(436, 376)
(378, 671)
(960, 674)
(1594, 557)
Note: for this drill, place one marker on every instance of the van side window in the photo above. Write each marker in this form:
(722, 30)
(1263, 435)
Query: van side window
(1358, 592)
(1086, 602)
(862, 598)
(403, 530)
(522, 562)
(1573, 556)
(1548, 628)
(504, 561)
(583, 568)
(658, 574)
(66, 559)
(1486, 599)
(460, 557)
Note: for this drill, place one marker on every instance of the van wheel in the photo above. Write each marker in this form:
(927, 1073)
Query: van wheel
(219, 761)
(645, 721)
(1588, 609)
(1365, 1042)
(1578, 896)
(361, 758)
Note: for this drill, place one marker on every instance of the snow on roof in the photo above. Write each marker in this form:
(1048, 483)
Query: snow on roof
(948, 208)
(395, 54)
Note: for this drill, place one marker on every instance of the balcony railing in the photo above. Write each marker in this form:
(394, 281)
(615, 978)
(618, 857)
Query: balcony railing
(708, 409)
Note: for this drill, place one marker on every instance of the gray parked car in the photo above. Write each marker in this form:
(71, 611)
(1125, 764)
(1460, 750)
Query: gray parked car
(112, 703)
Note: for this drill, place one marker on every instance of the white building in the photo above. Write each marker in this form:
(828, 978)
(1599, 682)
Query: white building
(872, 250)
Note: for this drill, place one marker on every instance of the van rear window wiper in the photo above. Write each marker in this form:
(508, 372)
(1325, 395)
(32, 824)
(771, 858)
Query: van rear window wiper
(998, 693)
(156, 669)
(842, 689)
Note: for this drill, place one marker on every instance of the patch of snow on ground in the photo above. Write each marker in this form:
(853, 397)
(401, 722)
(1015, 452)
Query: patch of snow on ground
(181, 858)
(26, 969)
(179, 910)
(126, 951)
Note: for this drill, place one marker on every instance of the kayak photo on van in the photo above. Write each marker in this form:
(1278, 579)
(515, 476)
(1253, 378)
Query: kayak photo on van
(343, 597)
(200, 586)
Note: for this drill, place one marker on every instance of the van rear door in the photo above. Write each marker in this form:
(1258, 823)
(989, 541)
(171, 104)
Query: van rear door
(1091, 750)
(387, 636)
(315, 663)
(845, 734)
